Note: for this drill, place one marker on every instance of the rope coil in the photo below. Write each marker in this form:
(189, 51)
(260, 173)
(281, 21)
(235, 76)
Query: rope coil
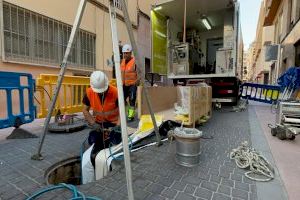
(247, 157)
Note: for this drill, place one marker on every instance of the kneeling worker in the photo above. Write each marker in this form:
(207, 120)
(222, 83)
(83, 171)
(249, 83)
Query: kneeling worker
(102, 98)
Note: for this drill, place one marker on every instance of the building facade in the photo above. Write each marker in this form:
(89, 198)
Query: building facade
(34, 35)
(284, 15)
(262, 67)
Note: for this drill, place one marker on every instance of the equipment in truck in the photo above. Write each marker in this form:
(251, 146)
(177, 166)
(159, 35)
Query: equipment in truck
(201, 41)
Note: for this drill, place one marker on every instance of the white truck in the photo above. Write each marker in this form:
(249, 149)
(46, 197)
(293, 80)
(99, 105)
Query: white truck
(199, 40)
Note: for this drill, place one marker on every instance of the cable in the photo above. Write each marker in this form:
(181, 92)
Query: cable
(77, 195)
(37, 100)
(45, 91)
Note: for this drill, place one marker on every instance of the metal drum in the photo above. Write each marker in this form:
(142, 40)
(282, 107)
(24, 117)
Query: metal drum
(187, 146)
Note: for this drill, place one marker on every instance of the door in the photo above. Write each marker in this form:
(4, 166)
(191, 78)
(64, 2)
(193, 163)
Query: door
(212, 46)
(266, 78)
(297, 54)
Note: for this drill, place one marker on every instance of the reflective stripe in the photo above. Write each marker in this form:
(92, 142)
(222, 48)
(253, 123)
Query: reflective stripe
(105, 114)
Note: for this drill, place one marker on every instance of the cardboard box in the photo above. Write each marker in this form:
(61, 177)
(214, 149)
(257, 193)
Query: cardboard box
(195, 100)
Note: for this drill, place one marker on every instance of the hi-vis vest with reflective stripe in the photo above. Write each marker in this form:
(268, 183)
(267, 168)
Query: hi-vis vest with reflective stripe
(108, 112)
(129, 75)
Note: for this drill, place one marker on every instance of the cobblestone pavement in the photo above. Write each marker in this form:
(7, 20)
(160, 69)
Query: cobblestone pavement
(155, 174)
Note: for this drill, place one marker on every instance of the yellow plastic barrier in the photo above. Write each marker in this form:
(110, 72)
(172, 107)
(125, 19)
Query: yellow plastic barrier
(113, 82)
(70, 96)
(269, 95)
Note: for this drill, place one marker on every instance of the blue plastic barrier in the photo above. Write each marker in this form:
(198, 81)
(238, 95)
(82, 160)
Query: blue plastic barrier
(261, 93)
(10, 82)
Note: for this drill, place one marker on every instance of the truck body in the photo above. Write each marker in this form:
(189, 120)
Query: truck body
(211, 49)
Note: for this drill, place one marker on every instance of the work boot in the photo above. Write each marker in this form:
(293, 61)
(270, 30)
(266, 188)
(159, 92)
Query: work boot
(131, 113)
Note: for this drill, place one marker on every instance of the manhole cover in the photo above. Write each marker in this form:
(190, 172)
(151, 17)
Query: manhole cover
(68, 128)
(66, 171)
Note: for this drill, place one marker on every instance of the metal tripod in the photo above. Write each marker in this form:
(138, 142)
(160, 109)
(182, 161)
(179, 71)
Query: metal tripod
(76, 24)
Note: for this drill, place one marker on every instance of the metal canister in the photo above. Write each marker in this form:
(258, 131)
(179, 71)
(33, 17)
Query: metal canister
(187, 146)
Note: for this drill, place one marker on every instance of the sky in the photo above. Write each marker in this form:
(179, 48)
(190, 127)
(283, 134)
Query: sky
(249, 18)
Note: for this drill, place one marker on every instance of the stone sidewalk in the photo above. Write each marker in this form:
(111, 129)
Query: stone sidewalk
(155, 174)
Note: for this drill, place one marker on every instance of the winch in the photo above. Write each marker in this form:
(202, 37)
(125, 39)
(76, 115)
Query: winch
(287, 120)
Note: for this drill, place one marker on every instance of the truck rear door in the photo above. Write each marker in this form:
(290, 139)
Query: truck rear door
(159, 43)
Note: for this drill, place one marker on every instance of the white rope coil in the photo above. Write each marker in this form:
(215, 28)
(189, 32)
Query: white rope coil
(247, 157)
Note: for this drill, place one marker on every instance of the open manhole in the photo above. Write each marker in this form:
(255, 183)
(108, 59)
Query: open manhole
(66, 171)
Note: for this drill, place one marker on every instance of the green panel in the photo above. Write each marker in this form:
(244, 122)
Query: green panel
(159, 43)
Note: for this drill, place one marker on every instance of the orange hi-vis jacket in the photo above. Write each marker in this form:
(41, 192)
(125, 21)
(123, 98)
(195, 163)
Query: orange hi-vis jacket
(108, 111)
(129, 74)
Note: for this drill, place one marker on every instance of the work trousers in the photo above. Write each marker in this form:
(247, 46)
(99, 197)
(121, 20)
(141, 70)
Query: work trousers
(130, 92)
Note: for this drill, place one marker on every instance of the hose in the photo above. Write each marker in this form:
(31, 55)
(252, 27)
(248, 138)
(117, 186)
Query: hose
(77, 195)
(121, 157)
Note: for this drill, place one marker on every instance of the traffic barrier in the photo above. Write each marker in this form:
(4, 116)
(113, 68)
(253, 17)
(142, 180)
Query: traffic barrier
(70, 96)
(16, 91)
(259, 92)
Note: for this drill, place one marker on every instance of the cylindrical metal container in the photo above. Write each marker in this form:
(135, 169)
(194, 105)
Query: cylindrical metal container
(187, 146)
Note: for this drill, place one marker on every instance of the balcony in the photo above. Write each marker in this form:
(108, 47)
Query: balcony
(271, 10)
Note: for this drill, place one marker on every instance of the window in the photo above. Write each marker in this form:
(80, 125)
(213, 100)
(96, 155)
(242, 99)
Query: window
(118, 4)
(32, 38)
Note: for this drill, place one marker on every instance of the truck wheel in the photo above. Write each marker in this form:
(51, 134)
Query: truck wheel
(273, 131)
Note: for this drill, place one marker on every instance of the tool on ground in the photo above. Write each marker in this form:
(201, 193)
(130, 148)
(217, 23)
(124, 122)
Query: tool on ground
(259, 166)
(287, 120)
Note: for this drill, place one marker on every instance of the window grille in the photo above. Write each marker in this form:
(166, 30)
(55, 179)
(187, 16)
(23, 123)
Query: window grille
(33, 38)
(117, 4)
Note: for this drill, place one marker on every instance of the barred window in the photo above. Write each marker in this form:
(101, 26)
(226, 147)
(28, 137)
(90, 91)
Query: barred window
(33, 38)
(118, 4)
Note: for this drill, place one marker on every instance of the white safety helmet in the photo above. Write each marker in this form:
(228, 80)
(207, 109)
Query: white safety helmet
(126, 48)
(99, 82)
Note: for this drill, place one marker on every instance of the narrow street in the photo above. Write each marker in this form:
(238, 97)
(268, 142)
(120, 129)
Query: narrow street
(155, 173)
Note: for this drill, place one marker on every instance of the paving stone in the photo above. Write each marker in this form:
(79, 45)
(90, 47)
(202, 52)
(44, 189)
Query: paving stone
(155, 188)
(214, 172)
(150, 177)
(155, 197)
(224, 189)
(204, 176)
(209, 185)
(224, 174)
(247, 180)
(226, 182)
(240, 194)
(178, 186)
(215, 179)
(218, 196)
(165, 181)
(142, 194)
(241, 186)
(141, 183)
(203, 193)
(190, 189)
(169, 193)
(236, 177)
(184, 196)
(194, 180)
(115, 185)
(253, 189)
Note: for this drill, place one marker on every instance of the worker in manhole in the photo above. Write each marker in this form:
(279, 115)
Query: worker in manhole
(102, 98)
(130, 79)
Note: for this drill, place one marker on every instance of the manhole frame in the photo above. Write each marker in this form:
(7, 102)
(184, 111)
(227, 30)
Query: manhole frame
(61, 163)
